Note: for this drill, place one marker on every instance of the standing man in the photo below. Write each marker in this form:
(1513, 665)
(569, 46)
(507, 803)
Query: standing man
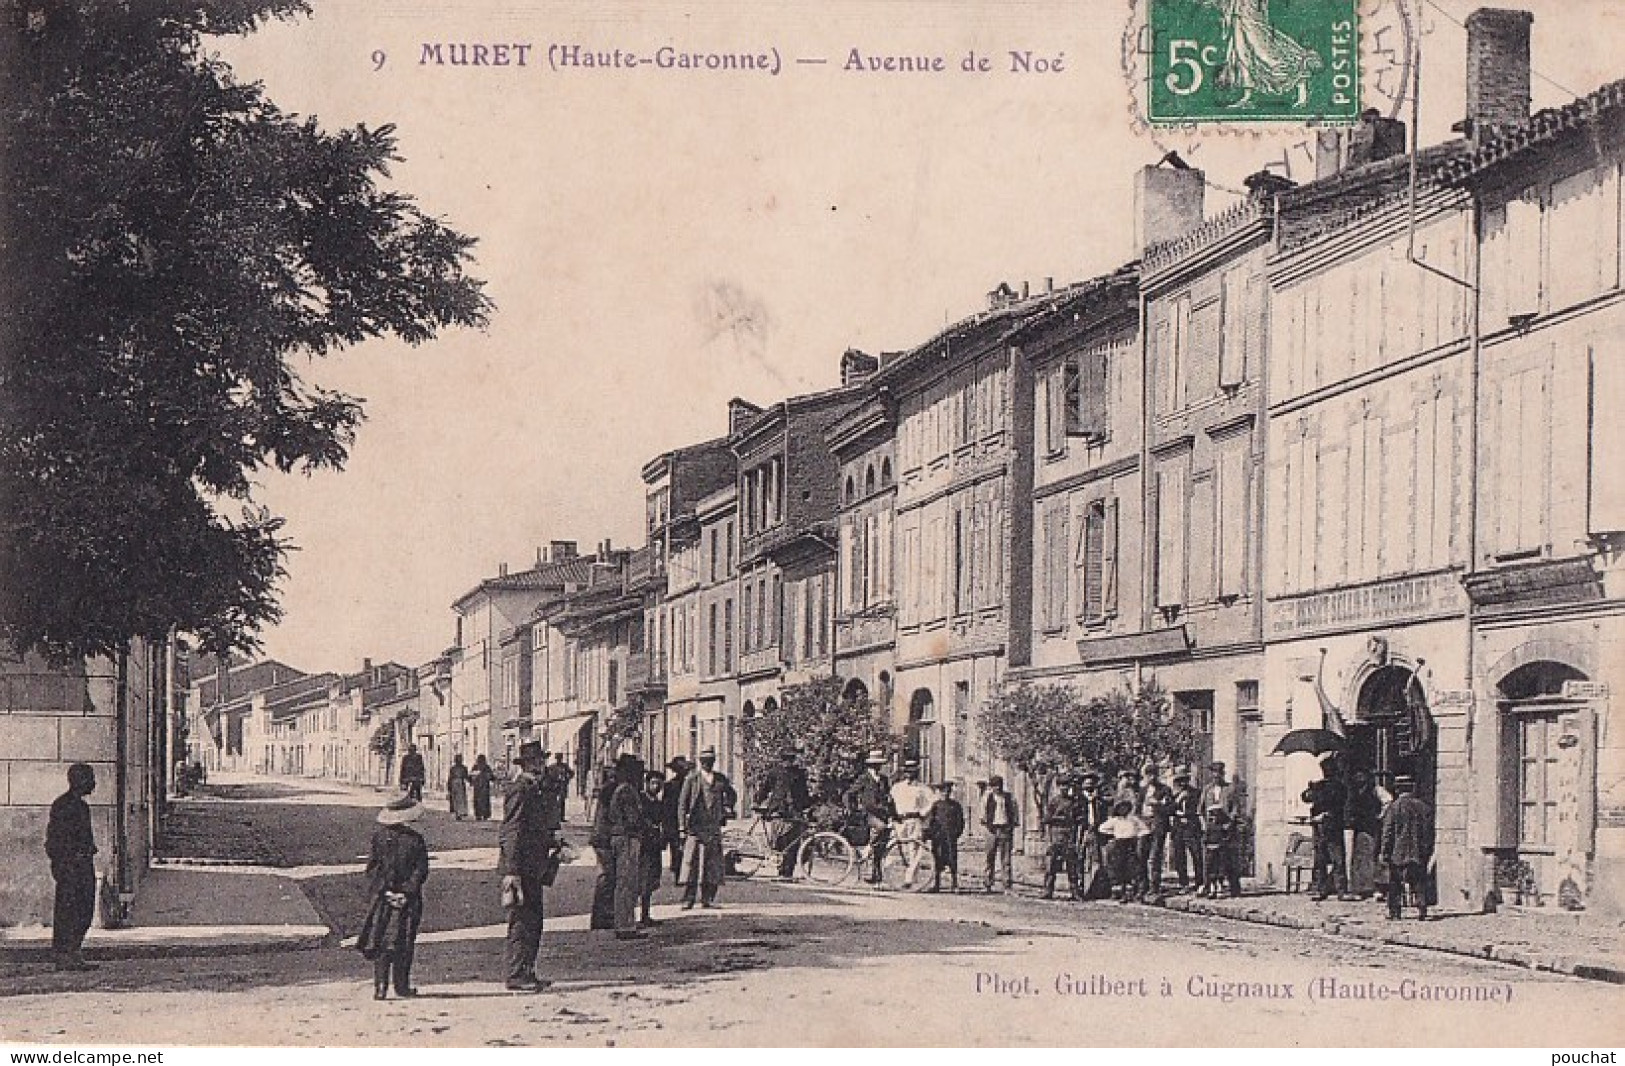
(786, 804)
(1407, 847)
(559, 776)
(1000, 819)
(1061, 836)
(870, 796)
(1328, 801)
(654, 841)
(527, 848)
(912, 802)
(70, 843)
(701, 811)
(943, 827)
(624, 823)
(1091, 810)
(669, 795)
(413, 773)
(1156, 810)
(1220, 795)
(1186, 829)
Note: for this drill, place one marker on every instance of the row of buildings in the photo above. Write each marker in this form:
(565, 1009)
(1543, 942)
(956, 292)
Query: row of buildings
(1343, 444)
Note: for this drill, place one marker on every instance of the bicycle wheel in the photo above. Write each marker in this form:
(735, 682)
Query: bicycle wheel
(894, 868)
(743, 853)
(826, 858)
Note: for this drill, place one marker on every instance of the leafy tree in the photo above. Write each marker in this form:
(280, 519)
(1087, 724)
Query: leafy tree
(172, 248)
(833, 733)
(1033, 725)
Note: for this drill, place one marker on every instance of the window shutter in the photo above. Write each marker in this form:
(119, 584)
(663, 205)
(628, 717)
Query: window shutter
(1233, 516)
(1607, 504)
(1080, 560)
(1055, 411)
(1094, 549)
(1072, 391)
(1108, 559)
(1171, 494)
(1092, 395)
(1523, 256)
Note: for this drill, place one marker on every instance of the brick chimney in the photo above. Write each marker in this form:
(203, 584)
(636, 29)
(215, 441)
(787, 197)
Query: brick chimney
(1497, 70)
(560, 550)
(1264, 184)
(1167, 202)
(857, 366)
(740, 412)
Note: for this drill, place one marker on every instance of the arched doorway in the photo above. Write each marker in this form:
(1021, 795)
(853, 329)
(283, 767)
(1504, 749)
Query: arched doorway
(1393, 734)
(1547, 784)
(855, 691)
(922, 739)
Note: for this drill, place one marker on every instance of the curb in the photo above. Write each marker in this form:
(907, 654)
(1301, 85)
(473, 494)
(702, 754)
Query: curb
(174, 949)
(1406, 938)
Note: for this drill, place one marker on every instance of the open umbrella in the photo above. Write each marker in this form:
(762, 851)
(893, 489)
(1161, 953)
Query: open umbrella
(1313, 741)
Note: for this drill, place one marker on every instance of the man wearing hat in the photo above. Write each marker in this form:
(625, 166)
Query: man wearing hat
(396, 869)
(701, 811)
(912, 802)
(1091, 809)
(944, 825)
(1221, 809)
(1061, 838)
(1185, 827)
(670, 793)
(1156, 809)
(1328, 799)
(1000, 819)
(528, 846)
(620, 827)
(870, 796)
(1407, 847)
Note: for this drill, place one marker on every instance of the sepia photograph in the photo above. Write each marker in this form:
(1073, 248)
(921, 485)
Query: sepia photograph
(745, 523)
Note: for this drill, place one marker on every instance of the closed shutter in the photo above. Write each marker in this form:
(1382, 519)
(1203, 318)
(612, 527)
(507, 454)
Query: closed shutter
(1607, 503)
(1108, 559)
(1233, 516)
(1092, 411)
(1092, 563)
(1171, 496)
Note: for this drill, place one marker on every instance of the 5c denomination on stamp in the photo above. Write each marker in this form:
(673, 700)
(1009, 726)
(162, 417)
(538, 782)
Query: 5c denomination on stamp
(1253, 61)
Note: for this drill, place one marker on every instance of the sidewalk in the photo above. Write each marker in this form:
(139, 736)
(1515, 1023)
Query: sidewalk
(183, 910)
(1580, 945)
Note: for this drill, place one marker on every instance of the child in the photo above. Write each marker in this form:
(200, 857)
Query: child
(1124, 828)
(1215, 853)
(395, 874)
(944, 825)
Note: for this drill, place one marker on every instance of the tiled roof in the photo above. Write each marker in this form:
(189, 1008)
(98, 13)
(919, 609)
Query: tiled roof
(541, 576)
(1236, 217)
(1543, 128)
(1328, 204)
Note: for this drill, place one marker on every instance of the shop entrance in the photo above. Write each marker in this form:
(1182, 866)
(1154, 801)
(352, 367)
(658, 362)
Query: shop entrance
(1392, 734)
(1548, 744)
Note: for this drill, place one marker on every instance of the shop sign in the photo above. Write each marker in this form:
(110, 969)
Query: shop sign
(1585, 690)
(1382, 604)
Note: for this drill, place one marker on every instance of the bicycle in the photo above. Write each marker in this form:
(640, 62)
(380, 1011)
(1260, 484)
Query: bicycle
(830, 858)
(744, 851)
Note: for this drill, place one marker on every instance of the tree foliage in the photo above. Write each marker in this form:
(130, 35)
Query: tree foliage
(172, 248)
(1032, 725)
(832, 733)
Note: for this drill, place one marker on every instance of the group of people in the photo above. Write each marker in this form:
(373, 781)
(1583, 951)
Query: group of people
(1368, 841)
(1117, 844)
(640, 817)
(905, 814)
(461, 781)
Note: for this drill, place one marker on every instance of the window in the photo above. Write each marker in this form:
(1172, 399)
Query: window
(851, 489)
(869, 481)
(885, 473)
(715, 553)
(1231, 467)
(1247, 700)
(1096, 561)
(728, 556)
(1583, 234)
(1537, 780)
(1173, 490)
(1090, 418)
(763, 622)
(614, 682)
(728, 634)
(1055, 568)
(1053, 394)
(1607, 502)
(746, 636)
(711, 644)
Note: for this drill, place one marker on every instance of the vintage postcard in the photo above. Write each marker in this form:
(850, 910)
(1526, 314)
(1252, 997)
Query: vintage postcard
(871, 523)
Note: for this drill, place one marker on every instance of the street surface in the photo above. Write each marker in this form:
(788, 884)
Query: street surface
(779, 964)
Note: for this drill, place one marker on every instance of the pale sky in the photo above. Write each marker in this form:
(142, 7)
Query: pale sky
(658, 241)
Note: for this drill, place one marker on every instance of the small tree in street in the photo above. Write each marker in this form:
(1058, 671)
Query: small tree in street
(832, 732)
(1033, 725)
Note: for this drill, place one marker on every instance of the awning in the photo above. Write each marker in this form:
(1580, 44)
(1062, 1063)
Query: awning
(1157, 644)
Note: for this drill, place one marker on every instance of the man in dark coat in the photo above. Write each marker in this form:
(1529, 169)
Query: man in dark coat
(1061, 838)
(669, 795)
(413, 773)
(623, 825)
(702, 810)
(870, 796)
(396, 869)
(785, 801)
(1156, 811)
(654, 841)
(70, 843)
(1328, 800)
(1185, 829)
(1091, 810)
(1407, 847)
(527, 848)
(943, 828)
(1000, 819)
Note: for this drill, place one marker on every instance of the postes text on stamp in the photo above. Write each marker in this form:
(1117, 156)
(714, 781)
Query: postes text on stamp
(1221, 61)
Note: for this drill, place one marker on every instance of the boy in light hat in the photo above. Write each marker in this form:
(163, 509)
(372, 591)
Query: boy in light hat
(396, 870)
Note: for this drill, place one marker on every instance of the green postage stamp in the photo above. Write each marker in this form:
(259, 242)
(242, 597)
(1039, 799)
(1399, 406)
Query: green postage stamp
(1253, 61)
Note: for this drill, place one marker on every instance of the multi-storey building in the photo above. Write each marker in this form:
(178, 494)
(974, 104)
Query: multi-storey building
(595, 624)
(667, 576)
(787, 500)
(864, 442)
(1203, 293)
(1544, 787)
